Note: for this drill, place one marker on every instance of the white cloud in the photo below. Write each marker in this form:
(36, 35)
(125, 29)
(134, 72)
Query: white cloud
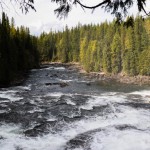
(36, 29)
(45, 19)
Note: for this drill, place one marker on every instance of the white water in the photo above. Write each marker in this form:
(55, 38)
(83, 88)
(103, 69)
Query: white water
(123, 140)
(108, 139)
(55, 68)
(106, 122)
(10, 95)
(145, 94)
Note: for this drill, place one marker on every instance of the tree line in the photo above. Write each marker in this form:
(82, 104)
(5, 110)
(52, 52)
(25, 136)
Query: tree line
(107, 47)
(18, 50)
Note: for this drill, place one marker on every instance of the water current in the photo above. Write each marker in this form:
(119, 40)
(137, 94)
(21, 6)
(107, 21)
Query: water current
(57, 108)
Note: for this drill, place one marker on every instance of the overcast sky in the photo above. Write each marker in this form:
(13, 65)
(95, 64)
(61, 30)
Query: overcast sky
(44, 18)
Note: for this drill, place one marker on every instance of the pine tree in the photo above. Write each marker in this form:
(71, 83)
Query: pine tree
(83, 48)
(75, 44)
(5, 51)
(116, 54)
(130, 61)
(17, 52)
(107, 47)
(144, 62)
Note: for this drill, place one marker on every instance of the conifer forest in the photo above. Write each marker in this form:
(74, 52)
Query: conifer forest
(18, 50)
(107, 47)
(80, 88)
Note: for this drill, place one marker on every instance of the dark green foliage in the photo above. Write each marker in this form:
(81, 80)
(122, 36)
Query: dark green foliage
(119, 8)
(116, 54)
(144, 63)
(18, 50)
(107, 47)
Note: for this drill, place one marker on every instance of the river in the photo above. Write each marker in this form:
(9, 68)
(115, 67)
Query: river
(57, 108)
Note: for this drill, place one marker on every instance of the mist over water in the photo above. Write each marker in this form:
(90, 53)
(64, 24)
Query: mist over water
(59, 109)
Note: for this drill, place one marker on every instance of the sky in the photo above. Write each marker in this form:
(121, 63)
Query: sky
(45, 20)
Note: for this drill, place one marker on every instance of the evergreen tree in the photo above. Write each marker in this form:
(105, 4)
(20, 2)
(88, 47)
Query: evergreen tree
(83, 48)
(116, 54)
(18, 52)
(106, 47)
(144, 62)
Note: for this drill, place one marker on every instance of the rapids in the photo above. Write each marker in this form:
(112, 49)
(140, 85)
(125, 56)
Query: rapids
(59, 109)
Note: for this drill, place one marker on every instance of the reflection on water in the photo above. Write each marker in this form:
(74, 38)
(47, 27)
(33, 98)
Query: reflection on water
(44, 115)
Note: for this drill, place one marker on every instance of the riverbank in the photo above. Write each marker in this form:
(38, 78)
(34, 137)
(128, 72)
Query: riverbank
(140, 80)
(18, 79)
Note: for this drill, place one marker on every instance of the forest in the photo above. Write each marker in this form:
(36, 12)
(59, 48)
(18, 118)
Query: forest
(107, 47)
(18, 50)
(85, 87)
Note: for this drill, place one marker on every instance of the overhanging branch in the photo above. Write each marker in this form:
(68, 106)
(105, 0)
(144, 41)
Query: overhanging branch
(93, 7)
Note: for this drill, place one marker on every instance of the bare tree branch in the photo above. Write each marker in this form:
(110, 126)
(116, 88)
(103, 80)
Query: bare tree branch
(25, 5)
(93, 7)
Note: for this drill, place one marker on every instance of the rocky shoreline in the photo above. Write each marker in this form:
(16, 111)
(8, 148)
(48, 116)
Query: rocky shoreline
(137, 80)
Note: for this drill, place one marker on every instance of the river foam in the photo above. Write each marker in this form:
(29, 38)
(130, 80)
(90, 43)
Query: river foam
(11, 95)
(55, 118)
(107, 138)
